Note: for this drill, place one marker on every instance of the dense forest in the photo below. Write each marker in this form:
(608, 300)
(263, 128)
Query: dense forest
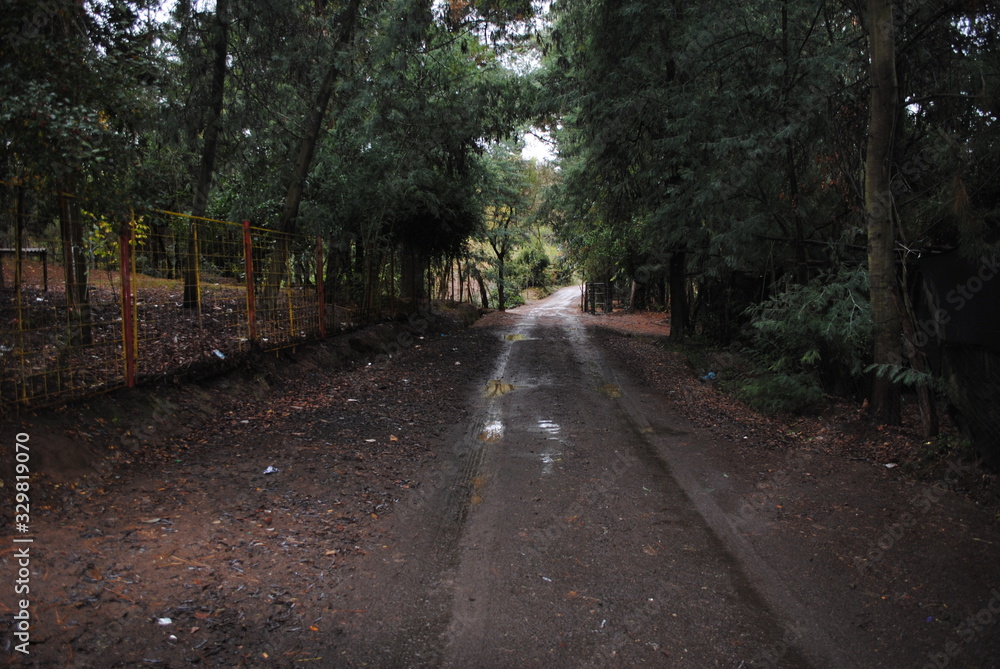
(791, 175)
(808, 182)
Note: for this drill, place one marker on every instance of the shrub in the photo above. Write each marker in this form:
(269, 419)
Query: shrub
(810, 339)
(532, 265)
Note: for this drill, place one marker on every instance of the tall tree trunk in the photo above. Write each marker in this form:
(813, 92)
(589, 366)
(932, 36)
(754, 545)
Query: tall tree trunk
(484, 295)
(879, 209)
(210, 148)
(801, 254)
(392, 282)
(445, 285)
(678, 295)
(75, 269)
(918, 361)
(358, 273)
(501, 292)
(336, 259)
(411, 273)
(633, 297)
(303, 161)
(19, 221)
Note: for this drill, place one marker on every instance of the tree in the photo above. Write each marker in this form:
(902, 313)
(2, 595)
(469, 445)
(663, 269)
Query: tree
(506, 203)
(312, 128)
(217, 52)
(879, 207)
(398, 171)
(75, 83)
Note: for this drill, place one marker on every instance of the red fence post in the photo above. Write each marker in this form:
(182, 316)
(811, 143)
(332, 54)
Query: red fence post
(320, 297)
(128, 303)
(251, 300)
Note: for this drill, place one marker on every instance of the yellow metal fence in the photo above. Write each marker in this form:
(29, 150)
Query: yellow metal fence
(163, 294)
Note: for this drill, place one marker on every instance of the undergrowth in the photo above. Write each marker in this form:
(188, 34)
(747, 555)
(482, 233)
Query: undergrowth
(808, 341)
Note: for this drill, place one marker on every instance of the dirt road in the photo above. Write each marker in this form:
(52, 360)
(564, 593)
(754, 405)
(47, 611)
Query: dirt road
(524, 493)
(566, 528)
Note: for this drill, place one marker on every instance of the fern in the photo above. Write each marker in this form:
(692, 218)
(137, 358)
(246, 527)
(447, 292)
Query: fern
(807, 335)
(906, 376)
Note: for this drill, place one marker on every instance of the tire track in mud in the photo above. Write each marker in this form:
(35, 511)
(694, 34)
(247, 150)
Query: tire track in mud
(502, 585)
(505, 559)
(805, 638)
(439, 515)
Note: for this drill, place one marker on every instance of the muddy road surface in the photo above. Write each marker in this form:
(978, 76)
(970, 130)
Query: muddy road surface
(564, 528)
(527, 492)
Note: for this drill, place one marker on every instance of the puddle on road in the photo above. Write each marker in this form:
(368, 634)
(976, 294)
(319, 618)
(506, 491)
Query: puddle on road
(611, 390)
(517, 337)
(549, 461)
(549, 457)
(549, 427)
(497, 387)
(492, 433)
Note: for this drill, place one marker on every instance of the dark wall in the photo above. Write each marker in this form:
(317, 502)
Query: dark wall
(959, 325)
(961, 300)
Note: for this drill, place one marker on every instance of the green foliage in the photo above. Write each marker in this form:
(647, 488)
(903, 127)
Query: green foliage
(101, 238)
(779, 392)
(809, 337)
(532, 264)
(76, 80)
(735, 133)
(405, 162)
(826, 321)
(513, 295)
(906, 376)
(939, 453)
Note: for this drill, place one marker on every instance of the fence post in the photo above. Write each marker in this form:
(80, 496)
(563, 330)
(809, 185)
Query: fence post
(290, 282)
(196, 247)
(392, 281)
(128, 302)
(320, 297)
(251, 301)
(18, 239)
(291, 307)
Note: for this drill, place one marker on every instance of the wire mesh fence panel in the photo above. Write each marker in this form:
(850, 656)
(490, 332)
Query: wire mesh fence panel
(286, 298)
(60, 332)
(158, 295)
(190, 291)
